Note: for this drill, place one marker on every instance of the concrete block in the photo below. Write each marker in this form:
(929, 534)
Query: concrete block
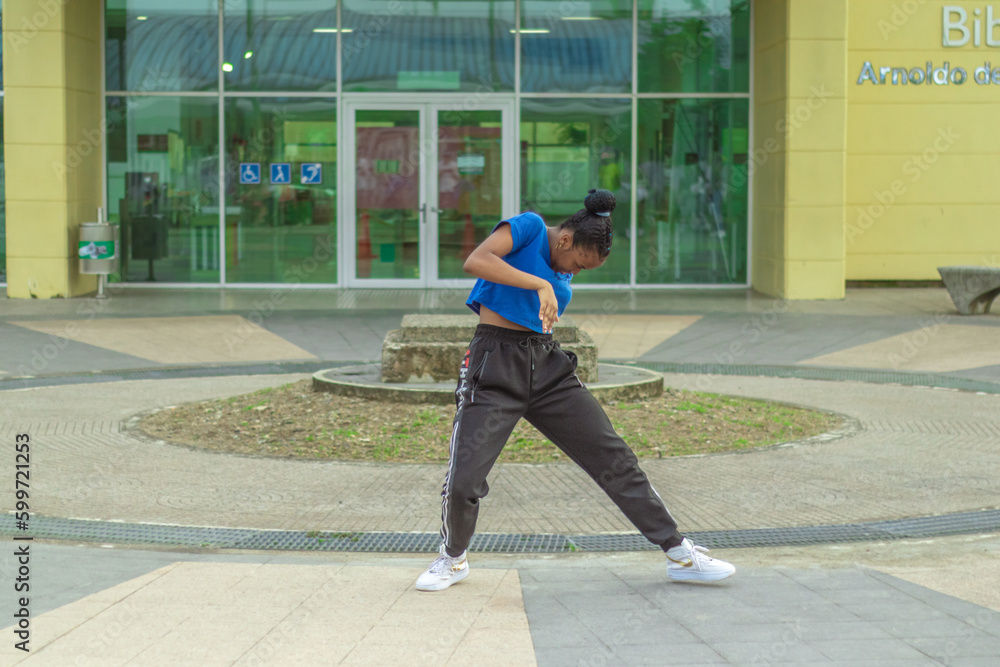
(430, 348)
(972, 288)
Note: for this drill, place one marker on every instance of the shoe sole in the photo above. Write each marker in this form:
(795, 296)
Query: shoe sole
(459, 576)
(699, 576)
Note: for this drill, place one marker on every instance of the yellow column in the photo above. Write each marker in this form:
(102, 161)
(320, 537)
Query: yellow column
(53, 141)
(800, 140)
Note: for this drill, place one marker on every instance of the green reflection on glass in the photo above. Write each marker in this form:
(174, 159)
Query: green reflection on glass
(163, 186)
(392, 45)
(692, 191)
(567, 147)
(282, 232)
(161, 46)
(387, 194)
(280, 45)
(470, 184)
(3, 208)
(691, 46)
(576, 47)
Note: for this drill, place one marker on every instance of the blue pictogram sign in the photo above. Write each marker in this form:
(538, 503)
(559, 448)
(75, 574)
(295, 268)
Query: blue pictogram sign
(249, 173)
(312, 173)
(281, 172)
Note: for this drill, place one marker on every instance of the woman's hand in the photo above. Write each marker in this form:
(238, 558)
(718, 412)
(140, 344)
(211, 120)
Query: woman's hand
(549, 312)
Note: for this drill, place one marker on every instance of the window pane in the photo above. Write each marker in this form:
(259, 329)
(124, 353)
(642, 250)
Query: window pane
(3, 206)
(567, 147)
(446, 45)
(576, 47)
(280, 46)
(284, 231)
(157, 45)
(691, 46)
(163, 187)
(470, 184)
(692, 191)
(387, 189)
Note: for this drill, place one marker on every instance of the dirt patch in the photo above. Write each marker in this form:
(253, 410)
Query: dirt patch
(294, 421)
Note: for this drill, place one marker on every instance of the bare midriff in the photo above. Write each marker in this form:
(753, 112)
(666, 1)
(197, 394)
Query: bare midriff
(487, 316)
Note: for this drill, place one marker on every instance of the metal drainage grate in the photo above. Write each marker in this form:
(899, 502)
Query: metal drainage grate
(384, 542)
(832, 374)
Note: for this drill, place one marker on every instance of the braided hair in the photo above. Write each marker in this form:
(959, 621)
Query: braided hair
(591, 225)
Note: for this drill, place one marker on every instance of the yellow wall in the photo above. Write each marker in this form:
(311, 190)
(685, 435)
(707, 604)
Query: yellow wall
(937, 146)
(799, 148)
(53, 142)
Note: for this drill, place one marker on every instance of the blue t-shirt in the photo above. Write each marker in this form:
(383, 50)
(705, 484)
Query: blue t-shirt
(531, 254)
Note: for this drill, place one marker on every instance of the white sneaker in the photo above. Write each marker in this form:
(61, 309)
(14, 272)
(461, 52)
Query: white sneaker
(444, 572)
(688, 562)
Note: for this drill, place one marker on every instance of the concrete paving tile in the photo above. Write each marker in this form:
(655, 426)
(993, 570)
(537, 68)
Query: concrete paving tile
(382, 655)
(584, 600)
(638, 627)
(281, 654)
(956, 646)
(867, 649)
(945, 626)
(577, 656)
(501, 620)
(670, 654)
(126, 588)
(898, 608)
(752, 633)
(990, 661)
(809, 631)
(423, 632)
(762, 653)
(481, 642)
(433, 601)
(561, 632)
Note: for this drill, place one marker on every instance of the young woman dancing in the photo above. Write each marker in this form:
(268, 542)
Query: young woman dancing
(513, 369)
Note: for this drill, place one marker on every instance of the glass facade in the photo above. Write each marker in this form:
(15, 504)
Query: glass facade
(694, 46)
(691, 196)
(157, 45)
(280, 46)
(163, 186)
(416, 45)
(3, 204)
(287, 231)
(569, 146)
(3, 179)
(576, 47)
(216, 111)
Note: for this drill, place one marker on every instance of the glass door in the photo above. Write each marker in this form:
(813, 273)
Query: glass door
(425, 183)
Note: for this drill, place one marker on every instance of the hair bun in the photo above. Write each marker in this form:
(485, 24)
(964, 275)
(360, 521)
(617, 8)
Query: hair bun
(599, 201)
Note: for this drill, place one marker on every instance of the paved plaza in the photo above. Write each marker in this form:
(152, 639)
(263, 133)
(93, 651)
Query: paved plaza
(875, 544)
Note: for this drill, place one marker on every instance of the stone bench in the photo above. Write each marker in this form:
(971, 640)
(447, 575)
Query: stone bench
(430, 348)
(972, 288)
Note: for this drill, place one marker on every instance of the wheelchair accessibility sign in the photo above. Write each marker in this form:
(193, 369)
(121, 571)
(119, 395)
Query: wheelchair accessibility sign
(311, 173)
(249, 173)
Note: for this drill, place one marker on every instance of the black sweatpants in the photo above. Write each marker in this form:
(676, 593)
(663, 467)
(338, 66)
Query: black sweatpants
(508, 374)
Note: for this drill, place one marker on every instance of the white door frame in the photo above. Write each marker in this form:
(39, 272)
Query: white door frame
(428, 105)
